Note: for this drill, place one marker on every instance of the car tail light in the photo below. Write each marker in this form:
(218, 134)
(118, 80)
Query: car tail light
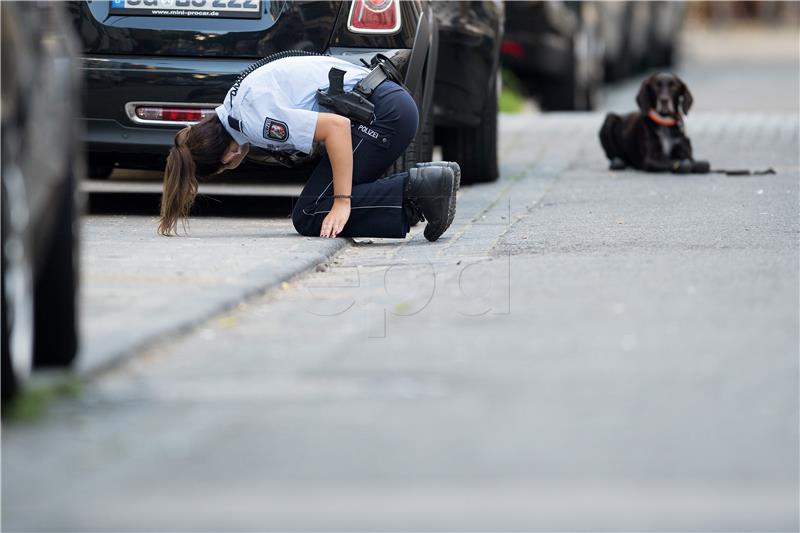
(513, 49)
(374, 16)
(172, 114)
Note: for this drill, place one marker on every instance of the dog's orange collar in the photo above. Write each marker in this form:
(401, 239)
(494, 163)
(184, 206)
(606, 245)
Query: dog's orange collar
(660, 119)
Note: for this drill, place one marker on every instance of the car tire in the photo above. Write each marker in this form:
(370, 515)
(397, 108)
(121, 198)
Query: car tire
(570, 94)
(55, 338)
(420, 149)
(17, 286)
(560, 95)
(15, 366)
(10, 380)
(475, 148)
(100, 168)
(663, 56)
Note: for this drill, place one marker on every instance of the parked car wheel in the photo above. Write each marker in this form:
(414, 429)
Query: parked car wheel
(612, 14)
(638, 20)
(17, 287)
(40, 102)
(559, 95)
(475, 148)
(568, 94)
(39, 315)
(556, 48)
(420, 149)
(667, 20)
(100, 167)
(465, 100)
(55, 340)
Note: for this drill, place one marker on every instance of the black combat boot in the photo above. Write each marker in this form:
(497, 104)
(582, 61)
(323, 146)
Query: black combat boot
(413, 215)
(429, 191)
(452, 165)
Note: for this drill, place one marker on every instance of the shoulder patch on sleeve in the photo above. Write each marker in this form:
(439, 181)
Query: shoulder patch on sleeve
(275, 130)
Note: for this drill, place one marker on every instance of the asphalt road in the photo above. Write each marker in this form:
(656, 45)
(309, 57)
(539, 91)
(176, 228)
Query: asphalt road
(584, 350)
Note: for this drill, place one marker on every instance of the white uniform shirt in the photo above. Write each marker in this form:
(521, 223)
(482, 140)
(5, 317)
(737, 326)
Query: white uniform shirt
(276, 103)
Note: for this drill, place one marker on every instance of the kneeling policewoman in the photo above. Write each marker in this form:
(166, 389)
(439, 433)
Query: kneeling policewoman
(276, 105)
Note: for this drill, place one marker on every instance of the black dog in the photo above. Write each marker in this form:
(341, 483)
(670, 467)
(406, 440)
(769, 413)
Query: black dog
(653, 139)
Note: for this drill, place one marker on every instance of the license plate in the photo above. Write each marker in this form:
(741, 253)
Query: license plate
(188, 8)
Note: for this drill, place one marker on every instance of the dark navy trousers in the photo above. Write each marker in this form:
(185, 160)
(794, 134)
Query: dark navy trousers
(376, 206)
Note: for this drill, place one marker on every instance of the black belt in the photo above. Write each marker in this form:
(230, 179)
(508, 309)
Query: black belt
(371, 81)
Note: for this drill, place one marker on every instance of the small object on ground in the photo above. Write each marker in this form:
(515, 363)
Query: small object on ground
(687, 166)
(744, 172)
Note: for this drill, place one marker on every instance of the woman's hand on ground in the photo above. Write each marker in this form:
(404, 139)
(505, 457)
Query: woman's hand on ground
(335, 220)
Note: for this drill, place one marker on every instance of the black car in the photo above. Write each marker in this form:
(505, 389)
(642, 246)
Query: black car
(152, 66)
(41, 163)
(465, 100)
(555, 48)
(639, 35)
(666, 22)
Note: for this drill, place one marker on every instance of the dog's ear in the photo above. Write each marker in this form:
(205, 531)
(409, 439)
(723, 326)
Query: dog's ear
(685, 98)
(645, 99)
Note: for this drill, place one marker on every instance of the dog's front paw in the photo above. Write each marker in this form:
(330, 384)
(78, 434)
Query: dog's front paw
(684, 166)
(617, 164)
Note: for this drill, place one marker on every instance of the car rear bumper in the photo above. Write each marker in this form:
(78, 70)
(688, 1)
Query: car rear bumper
(114, 81)
(108, 135)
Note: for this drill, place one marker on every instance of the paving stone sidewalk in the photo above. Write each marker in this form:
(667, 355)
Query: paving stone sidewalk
(138, 287)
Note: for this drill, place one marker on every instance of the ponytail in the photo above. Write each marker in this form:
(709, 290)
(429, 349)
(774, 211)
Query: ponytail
(180, 186)
(197, 152)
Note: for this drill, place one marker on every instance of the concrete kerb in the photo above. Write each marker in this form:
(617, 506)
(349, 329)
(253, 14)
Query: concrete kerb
(95, 360)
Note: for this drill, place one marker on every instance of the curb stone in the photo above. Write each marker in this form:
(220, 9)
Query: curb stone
(102, 348)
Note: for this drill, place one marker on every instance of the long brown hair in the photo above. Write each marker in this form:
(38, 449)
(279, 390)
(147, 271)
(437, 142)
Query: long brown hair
(197, 153)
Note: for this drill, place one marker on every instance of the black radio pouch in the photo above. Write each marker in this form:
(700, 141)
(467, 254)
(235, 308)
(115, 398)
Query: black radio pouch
(350, 104)
(355, 104)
